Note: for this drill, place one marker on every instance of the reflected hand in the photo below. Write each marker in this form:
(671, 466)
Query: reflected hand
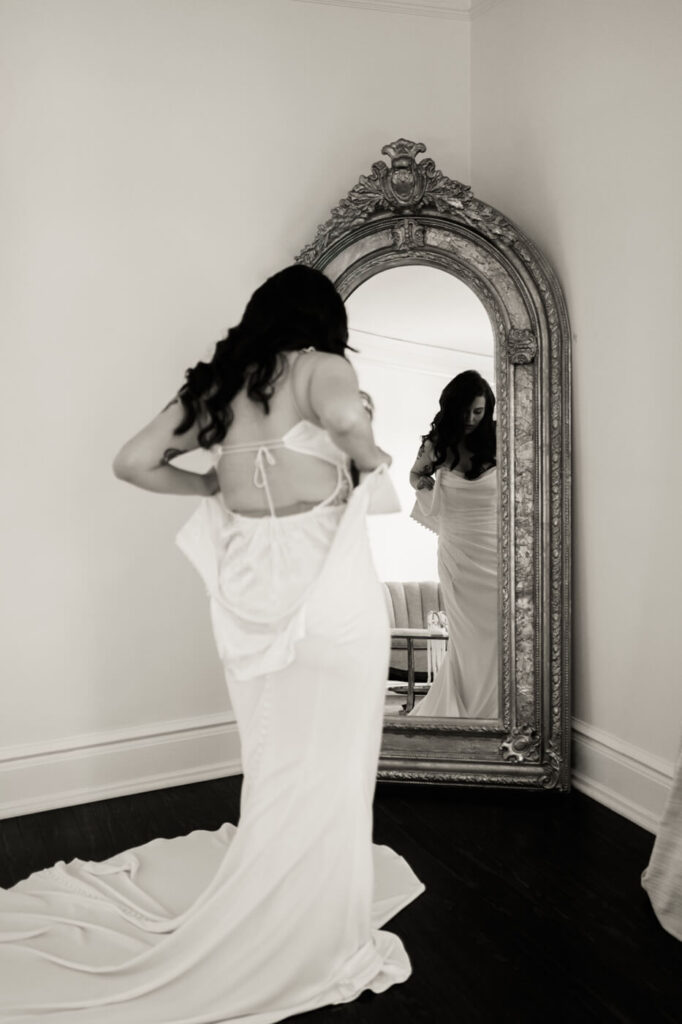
(425, 483)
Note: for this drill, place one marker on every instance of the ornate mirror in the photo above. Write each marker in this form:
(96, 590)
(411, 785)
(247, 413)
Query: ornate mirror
(438, 283)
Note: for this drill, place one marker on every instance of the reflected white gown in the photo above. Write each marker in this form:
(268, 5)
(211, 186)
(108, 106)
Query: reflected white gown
(464, 515)
(281, 914)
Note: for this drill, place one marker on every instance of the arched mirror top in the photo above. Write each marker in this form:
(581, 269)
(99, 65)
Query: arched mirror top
(412, 214)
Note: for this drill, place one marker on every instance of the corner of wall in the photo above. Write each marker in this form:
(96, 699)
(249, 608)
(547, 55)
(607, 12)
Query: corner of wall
(619, 775)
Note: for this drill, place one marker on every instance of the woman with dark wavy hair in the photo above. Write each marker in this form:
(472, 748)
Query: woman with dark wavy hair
(281, 914)
(455, 478)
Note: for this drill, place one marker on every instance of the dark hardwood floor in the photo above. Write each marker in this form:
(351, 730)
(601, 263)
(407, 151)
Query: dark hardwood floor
(533, 909)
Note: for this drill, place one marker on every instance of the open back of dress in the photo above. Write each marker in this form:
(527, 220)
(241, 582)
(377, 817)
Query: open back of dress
(279, 463)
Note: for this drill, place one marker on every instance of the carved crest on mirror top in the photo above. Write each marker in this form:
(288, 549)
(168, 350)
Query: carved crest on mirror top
(409, 213)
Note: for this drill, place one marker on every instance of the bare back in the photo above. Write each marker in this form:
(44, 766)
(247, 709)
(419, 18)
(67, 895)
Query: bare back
(256, 469)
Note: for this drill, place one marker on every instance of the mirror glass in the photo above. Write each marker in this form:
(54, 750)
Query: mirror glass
(416, 329)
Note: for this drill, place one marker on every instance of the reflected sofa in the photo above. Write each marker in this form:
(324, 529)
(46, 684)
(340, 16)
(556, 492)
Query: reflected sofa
(409, 603)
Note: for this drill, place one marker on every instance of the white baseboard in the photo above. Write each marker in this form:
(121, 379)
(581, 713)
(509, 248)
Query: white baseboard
(619, 775)
(98, 766)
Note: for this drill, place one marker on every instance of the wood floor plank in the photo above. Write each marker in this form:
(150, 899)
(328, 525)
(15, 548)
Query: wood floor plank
(533, 909)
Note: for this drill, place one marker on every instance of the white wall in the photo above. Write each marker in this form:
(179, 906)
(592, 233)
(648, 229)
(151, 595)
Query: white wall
(576, 136)
(160, 158)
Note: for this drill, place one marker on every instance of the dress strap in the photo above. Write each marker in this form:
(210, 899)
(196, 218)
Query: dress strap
(250, 446)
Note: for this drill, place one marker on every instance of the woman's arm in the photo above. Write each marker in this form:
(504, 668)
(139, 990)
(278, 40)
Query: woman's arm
(421, 474)
(145, 459)
(336, 401)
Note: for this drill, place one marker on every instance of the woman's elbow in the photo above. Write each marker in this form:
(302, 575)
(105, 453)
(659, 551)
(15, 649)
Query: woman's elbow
(124, 466)
(343, 420)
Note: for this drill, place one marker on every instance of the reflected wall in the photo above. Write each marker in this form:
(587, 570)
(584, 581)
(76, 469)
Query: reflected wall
(416, 328)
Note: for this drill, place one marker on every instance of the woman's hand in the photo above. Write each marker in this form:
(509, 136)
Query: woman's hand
(357, 476)
(211, 482)
(425, 483)
(384, 458)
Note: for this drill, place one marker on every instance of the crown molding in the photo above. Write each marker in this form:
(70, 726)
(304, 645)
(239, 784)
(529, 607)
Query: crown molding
(478, 7)
(457, 10)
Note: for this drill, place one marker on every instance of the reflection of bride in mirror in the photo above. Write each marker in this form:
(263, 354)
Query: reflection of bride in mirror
(455, 480)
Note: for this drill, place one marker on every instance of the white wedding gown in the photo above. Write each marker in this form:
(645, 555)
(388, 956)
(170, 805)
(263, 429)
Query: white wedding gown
(283, 913)
(464, 515)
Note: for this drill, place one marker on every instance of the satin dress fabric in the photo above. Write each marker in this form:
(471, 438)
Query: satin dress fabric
(284, 912)
(464, 515)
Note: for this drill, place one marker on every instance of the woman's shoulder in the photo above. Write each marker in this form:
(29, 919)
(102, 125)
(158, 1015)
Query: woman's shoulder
(307, 358)
(317, 375)
(325, 366)
(317, 355)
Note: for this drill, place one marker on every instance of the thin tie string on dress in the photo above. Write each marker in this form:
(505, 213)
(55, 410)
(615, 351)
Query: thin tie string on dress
(263, 457)
(260, 475)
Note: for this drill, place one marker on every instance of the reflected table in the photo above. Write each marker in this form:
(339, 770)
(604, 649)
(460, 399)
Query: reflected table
(410, 635)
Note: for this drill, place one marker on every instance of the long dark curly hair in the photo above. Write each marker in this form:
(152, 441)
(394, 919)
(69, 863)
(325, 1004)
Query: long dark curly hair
(447, 428)
(293, 309)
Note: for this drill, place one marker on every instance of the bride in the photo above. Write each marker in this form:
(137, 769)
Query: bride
(283, 913)
(455, 479)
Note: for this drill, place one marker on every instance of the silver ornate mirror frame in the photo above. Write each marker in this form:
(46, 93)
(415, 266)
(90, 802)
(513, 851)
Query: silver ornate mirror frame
(412, 214)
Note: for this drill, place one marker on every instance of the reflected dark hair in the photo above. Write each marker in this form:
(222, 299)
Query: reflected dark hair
(447, 428)
(293, 309)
